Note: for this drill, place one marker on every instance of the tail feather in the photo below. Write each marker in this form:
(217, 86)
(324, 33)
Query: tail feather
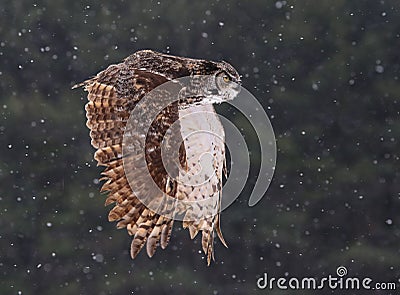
(207, 242)
(218, 230)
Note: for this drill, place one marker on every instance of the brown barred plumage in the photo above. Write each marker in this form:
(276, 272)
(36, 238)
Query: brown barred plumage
(112, 95)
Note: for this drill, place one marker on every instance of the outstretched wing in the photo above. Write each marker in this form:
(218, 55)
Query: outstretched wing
(112, 95)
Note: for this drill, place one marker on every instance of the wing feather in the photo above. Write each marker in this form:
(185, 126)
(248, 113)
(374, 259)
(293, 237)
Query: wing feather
(112, 95)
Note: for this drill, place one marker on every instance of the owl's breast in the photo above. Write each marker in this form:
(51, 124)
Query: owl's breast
(203, 137)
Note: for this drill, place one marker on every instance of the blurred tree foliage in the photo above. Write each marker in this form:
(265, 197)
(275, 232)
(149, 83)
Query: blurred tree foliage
(327, 73)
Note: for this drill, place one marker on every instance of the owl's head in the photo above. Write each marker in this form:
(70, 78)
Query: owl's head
(210, 82)
(227, 81)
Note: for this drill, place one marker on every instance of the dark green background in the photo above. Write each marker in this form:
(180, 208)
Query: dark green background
(326, 72)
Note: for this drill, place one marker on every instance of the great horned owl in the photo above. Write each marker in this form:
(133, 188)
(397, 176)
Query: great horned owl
(113, 93)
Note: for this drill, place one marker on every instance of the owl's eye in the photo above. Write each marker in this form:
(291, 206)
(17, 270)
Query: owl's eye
(226, 79)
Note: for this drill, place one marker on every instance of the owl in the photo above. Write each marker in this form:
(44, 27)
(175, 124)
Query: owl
(113, 95)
